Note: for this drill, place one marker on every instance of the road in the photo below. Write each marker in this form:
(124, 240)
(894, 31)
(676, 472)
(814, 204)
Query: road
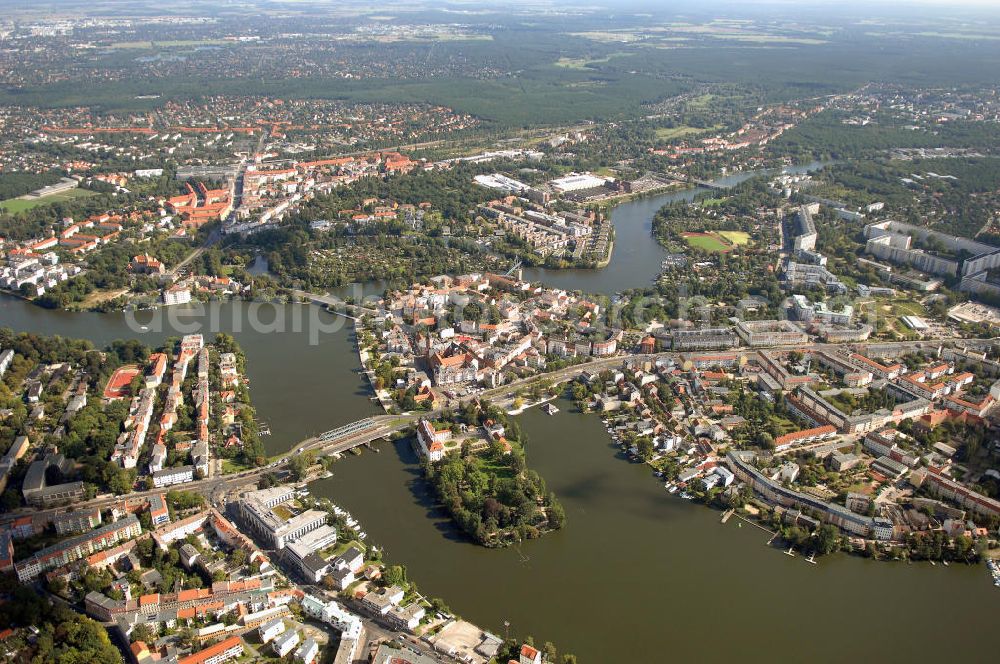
(215, 488)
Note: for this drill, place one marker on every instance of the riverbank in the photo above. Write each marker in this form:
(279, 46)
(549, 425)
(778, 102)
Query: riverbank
(678, 555)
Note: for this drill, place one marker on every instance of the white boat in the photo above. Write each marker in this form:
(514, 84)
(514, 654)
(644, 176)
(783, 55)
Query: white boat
(994, 568)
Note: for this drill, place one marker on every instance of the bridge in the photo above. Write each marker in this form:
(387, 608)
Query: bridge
(715, 186)
(332, 303)
(366, 430)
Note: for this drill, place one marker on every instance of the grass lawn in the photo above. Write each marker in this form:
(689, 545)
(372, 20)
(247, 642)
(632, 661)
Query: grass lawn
(908, 308)
(706, 242)
(22, 204)
(283, 512)
(736, 238)
(232, 466)
(701, 103)
(340, 548)
(669, 133)
(786, 425)
(583, 63)
(499, 470)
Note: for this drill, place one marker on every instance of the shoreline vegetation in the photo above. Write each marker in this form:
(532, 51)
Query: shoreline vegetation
(487, 488)
(793, 533)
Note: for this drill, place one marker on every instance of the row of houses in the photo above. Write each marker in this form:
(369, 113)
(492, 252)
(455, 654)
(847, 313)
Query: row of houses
(741, 464)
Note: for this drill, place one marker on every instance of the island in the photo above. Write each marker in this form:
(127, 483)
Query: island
(476, 463)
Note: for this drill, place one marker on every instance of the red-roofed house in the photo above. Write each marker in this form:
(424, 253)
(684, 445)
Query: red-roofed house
(530, 655)
(432, 440)
(802, 437)
(223, 651)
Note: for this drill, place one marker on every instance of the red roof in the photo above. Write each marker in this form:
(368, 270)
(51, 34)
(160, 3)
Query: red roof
(805, 433)
(211, 651)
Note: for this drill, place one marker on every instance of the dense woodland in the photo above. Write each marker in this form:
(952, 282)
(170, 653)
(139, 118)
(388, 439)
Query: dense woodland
(13, 185)
(65, 636)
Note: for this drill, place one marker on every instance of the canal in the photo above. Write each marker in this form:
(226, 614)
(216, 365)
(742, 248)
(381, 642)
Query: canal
(636, 574)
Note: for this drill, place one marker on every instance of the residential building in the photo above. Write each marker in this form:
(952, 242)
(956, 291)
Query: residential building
(171, 476)
(271, 629)
(223, 651)
(74, 548)
(432, 440)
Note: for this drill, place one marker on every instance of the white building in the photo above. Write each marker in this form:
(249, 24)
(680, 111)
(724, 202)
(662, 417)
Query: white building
(6, 358)
(285, 643)
(176, 295)
(577, 182)
(271, 629)
(307, 652)
(170, 476)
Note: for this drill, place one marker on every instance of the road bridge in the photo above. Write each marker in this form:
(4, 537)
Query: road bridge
(366, 430)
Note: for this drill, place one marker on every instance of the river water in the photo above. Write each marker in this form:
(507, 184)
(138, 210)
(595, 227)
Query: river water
(636, 574)
(636, 259)
(640, 575)
(299, 388)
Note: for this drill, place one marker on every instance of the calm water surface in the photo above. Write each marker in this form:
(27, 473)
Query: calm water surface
(636, 575)
(639, 575)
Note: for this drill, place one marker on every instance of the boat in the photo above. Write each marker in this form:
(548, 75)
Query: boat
(812, 558)
(550, 409)
(994, 568)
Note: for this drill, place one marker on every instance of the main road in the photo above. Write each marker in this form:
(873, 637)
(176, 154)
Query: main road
(382, 426)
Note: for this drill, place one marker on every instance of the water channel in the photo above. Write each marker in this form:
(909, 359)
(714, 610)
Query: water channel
(637, 574)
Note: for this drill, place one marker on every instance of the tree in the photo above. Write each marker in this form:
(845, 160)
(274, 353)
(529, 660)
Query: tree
(394, 575)
(645, 447)
(143, 632)
(827, 539)
(298, 467)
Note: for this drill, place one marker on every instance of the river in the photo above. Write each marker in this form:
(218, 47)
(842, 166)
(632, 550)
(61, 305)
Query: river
(299, 389)
(637, 257)
(636, 574)
(640, 575)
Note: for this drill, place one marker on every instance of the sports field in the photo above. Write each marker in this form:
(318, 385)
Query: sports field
(719, 243)
(21, 204)
(736, 238)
